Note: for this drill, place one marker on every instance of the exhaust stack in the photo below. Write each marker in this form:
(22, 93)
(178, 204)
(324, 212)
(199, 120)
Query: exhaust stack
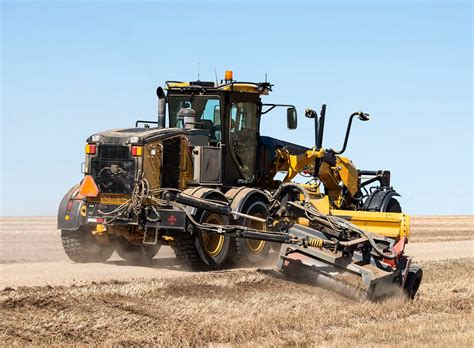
(161, 107)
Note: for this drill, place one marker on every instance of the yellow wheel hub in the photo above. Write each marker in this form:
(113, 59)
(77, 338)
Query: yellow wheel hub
(213, 243)
(256, 246)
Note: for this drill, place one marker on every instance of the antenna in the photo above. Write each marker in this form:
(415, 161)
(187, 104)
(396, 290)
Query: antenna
(199, 70)
(265, 77)
(215, 73)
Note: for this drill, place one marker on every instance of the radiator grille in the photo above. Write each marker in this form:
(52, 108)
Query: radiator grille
(113, 169)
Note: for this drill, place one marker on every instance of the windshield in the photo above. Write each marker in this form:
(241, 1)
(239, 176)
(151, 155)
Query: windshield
(207, 108)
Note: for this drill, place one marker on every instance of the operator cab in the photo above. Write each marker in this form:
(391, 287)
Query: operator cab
(224, 116)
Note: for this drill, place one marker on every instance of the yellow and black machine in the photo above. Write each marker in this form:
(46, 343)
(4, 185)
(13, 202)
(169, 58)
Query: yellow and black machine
(202, 180)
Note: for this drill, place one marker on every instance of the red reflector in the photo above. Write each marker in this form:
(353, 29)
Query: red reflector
(99, 220)
(91, 149)
(69, 204)
(137, 150)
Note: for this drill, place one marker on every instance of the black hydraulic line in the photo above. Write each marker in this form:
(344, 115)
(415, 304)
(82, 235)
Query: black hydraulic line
(285, 186)
(266, 236)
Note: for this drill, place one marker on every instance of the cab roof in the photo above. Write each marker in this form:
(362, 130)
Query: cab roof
(233, 86)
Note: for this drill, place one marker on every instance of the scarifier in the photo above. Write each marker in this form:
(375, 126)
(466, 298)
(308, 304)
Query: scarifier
(203, 181)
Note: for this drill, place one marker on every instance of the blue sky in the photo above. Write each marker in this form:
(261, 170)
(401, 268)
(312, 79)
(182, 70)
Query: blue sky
(72, 69)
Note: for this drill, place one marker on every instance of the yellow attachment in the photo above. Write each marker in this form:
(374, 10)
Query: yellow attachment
(168, 238)
(315, 242)
(99, 229)
(320, 202)
(348, 174)
(392, 225)
(294, 164)
(331, 176)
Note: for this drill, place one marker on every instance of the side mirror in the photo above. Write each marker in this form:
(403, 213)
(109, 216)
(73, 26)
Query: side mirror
(363, 116)
(291, 118)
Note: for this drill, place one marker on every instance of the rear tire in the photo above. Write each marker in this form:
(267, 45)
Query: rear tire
(217, 250)
(135, 254)
(393, 206)
(81, 246)
(254, 251)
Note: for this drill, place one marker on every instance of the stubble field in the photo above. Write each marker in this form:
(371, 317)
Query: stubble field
(243, 306)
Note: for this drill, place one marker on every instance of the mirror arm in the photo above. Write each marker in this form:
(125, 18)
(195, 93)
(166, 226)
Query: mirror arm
(268, 110)
(348, 131)
(273, 106)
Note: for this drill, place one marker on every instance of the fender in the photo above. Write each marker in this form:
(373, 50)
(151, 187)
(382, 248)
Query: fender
(379, 199)
(239, 196)
(69, 212)
(202, 192)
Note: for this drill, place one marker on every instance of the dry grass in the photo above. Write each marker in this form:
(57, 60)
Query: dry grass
(441, 228)
(240, 307)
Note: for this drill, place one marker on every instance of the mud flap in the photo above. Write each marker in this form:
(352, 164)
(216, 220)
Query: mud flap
(71, 213)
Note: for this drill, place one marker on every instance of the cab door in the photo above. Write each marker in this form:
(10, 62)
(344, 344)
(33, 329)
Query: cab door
(241, 144)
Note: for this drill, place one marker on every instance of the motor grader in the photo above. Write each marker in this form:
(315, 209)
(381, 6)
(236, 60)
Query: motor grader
(202, 180)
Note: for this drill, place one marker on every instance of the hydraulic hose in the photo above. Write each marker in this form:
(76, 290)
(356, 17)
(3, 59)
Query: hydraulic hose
(285, 186)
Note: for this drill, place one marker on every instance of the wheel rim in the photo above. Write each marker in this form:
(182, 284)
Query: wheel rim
(256, 246)
(213, 243)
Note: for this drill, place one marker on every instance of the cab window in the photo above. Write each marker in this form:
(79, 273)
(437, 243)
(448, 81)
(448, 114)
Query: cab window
(207, 110)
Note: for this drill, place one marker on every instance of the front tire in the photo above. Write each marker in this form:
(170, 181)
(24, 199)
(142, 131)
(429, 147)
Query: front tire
(186, 253)
(81, 246)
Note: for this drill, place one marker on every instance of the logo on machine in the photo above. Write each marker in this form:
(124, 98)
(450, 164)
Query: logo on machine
(172, 219)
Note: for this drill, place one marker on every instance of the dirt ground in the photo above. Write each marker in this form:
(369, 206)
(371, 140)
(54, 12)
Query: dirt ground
(117, 304)
(250, 307)
(441, 228)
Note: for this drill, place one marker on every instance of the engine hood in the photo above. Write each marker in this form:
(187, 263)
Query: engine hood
(135, 135)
